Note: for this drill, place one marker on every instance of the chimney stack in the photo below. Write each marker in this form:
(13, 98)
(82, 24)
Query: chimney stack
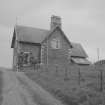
(55, 21)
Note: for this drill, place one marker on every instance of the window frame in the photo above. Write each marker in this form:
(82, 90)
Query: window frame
(56, 43)
(28, 59)
(69, 53)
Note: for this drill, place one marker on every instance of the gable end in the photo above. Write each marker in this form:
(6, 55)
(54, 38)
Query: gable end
(51, 33)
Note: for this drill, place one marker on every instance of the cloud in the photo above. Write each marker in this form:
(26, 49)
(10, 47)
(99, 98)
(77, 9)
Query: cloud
(10, 9)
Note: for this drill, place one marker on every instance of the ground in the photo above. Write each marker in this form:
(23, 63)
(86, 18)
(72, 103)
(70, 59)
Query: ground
(50, 87)
(71, 86)
(17, 89)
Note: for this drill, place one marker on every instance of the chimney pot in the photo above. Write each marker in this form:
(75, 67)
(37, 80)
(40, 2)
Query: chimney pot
(55, 21)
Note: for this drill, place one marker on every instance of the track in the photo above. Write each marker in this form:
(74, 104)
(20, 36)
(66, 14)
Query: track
(20, 90)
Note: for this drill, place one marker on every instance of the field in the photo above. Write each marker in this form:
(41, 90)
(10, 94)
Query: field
(74, 85)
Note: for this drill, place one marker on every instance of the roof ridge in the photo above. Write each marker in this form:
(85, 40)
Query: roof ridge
(31, 27)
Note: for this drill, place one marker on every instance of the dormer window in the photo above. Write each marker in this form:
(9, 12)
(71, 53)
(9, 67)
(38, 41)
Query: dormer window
(55, 43)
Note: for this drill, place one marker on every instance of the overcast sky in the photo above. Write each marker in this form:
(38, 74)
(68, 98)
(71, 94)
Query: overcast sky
(83, 21)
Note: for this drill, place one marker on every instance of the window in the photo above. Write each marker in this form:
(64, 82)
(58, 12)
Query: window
(26, 58)
(69, 53)
(55, 43)
(23, 59)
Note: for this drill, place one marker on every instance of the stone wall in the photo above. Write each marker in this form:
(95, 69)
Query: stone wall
(25, 47)
(28, 47)
(46, 54)
(56, 56)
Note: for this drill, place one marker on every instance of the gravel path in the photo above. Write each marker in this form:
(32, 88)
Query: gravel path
(20, 90)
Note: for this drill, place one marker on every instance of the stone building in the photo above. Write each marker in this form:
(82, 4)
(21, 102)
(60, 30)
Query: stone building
(47, 47)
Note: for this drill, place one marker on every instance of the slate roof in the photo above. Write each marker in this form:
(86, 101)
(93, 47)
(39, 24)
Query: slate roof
(30, 34)
(36, 35)
(78, 50)
(80, 61)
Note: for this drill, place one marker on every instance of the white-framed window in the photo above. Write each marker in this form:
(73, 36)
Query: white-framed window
(55, 43)
(69, 53)
(26, 58)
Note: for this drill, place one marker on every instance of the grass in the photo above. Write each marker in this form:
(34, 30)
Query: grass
(69, 87)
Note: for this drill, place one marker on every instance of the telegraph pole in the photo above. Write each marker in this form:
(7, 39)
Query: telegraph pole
(47, 54)
(47, 51)
(98, 53)
(16, 23)
(16, 20)
(100, 70)
(101, 80)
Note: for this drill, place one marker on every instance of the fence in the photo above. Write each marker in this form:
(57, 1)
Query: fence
(87, 77)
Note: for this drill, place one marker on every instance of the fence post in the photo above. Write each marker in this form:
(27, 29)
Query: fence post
(56, 70)
(101, 80)
(79, 77)
(66, 75)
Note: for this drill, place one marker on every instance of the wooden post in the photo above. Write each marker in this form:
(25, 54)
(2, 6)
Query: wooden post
(66, 75)
(47, 51)
(101, 80)
(79, 77)
(56, 70)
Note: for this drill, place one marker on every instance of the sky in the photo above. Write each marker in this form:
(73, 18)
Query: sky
(83, 21)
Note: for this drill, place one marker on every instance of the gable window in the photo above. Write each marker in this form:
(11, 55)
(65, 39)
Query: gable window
(55, 43)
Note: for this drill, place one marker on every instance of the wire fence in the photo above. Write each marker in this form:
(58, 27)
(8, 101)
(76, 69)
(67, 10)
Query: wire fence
(82, 76)
(88, 77)
(71, 82)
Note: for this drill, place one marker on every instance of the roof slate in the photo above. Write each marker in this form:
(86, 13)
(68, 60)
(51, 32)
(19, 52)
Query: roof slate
(29, 34)
(78, 50)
